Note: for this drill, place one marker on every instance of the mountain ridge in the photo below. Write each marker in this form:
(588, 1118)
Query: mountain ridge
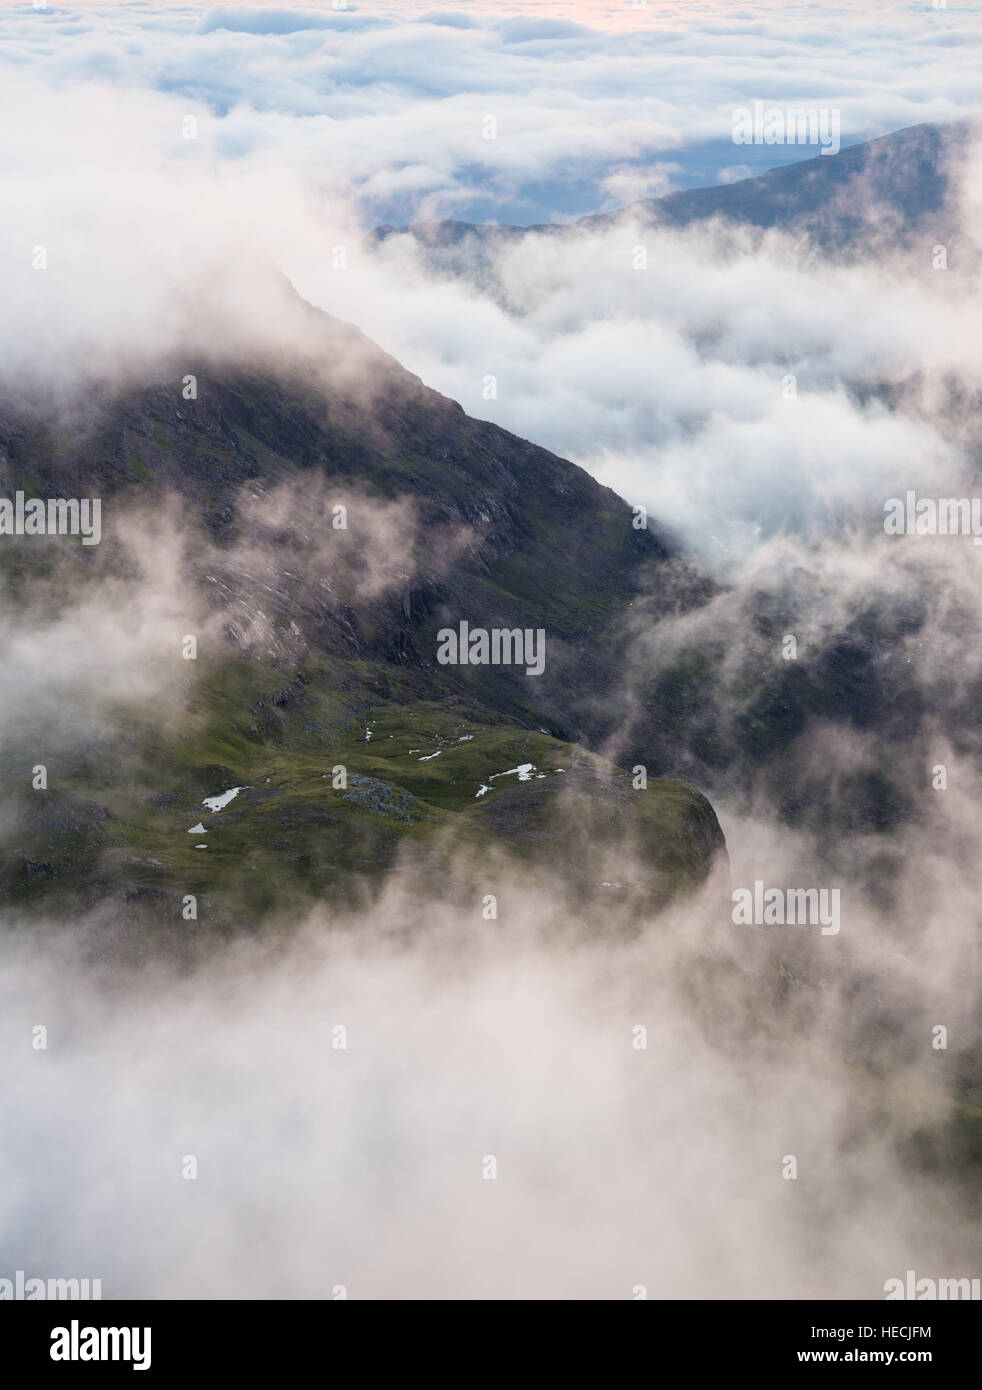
(890, 187)
(327, 654)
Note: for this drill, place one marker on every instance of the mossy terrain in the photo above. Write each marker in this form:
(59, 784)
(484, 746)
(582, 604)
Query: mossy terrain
(337, 790)
(361, 761)
(358, 754)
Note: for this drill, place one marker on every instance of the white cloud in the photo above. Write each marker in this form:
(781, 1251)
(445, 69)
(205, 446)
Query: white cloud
(665, 382)
(262, 21)
(733, 173)
(361, 92)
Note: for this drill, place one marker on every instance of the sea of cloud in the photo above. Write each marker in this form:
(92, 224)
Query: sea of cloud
(617, 1166)
(594, 105)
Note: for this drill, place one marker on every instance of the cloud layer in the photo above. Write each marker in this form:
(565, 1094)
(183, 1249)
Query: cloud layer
(392, 103)
(618, 1166)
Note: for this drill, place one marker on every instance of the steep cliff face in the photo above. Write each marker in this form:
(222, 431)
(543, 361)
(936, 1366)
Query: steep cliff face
(334, 517)
(715, 702)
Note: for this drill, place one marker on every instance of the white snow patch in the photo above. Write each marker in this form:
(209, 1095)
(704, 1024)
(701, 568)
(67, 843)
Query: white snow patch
(217, 803)
(198, 829)
(525, 772)
(430, 756)
(482, 789)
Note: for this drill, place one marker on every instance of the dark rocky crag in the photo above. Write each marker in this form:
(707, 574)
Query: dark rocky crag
(447, 519)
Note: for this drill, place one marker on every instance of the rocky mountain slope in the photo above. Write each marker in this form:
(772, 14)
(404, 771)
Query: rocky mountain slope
(320, 643)
(895, 191)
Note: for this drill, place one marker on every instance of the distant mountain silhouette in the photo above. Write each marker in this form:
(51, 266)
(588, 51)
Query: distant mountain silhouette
(894, 189)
